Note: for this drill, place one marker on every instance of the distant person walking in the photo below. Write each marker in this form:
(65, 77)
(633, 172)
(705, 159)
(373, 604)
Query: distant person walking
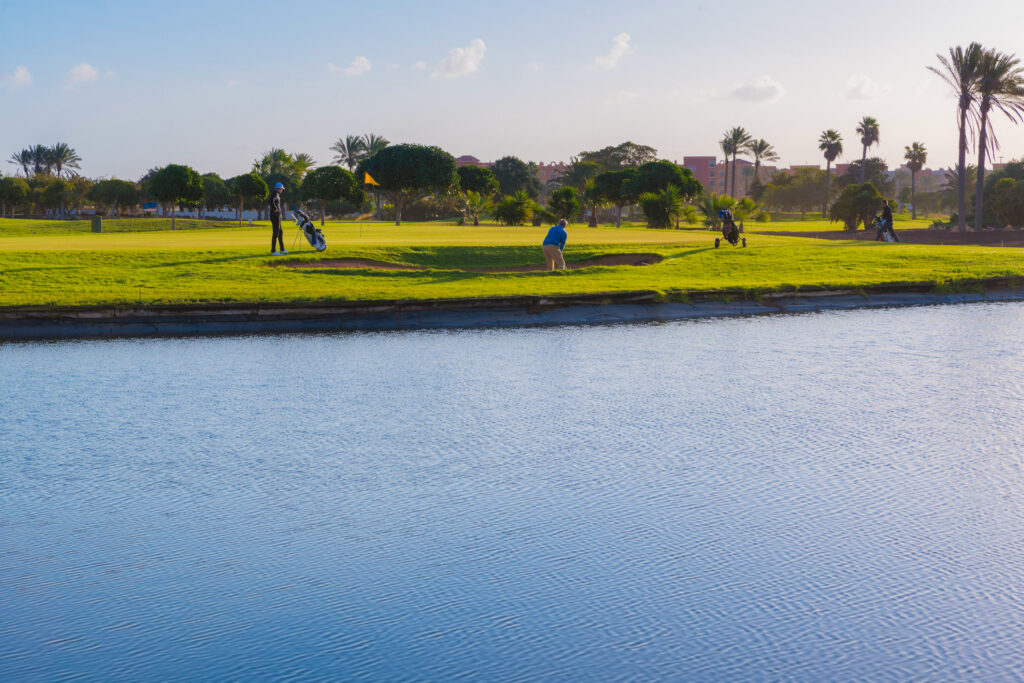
(554, 245)
(275, 220)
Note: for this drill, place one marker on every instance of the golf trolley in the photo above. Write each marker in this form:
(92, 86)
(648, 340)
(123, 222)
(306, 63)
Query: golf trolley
(730, 233)
(308, 230)
(883, 232)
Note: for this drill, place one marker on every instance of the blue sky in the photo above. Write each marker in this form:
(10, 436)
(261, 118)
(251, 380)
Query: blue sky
(133, 85)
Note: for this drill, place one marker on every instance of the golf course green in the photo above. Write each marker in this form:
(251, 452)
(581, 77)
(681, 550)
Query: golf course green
(61, 263)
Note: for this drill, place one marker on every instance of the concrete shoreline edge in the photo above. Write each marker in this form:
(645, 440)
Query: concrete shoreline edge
(42, 322)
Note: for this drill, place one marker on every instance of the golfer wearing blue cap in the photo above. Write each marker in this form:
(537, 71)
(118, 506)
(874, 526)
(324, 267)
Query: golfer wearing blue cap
(275, 220)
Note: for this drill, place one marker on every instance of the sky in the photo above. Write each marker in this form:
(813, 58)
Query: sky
(212, 84)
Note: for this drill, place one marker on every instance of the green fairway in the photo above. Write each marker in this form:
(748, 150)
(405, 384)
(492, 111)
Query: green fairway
(232, 264)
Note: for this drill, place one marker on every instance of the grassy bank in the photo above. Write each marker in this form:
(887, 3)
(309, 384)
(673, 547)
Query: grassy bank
(220, 264)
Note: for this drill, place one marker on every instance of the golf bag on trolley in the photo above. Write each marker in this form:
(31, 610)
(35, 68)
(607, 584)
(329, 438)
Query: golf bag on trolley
(312, 233)
(730, 232)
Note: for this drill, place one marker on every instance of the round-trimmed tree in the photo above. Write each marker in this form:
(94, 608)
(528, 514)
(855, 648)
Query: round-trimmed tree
(477, 179)
(114, 193)
(176, 184)
(616, 188)
(330, 183)
(856, 204)
(248, 187)
(12, 191)
(216, 193)
(406, 173)
(655, 176)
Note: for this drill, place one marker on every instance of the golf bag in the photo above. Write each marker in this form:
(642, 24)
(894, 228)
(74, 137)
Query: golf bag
(309, 231)
(883, 232)
(730, 232)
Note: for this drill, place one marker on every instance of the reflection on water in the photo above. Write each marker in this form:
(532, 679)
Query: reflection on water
(811, 497)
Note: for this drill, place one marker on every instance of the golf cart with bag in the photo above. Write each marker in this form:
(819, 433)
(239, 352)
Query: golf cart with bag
(884, 232)
(308, 230)
(730, 232)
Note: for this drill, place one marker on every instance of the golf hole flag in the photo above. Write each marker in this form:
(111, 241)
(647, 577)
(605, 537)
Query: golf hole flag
(369, 179)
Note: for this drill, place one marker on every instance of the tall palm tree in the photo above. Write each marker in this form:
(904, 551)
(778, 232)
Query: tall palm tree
(1001, 87)
(960, 72)
(62, 157)
(761, 150)
(577, 173)
(867, 129)
(373, 144)
(739, 138)
(831, 144)
(23, 159)
(349, 151)
(916, 156)
(302, 164)
(727, 150)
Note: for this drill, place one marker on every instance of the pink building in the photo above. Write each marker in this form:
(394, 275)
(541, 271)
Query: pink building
(703, 170)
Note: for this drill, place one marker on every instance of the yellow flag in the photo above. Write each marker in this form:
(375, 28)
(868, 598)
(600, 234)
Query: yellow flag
(369, 179)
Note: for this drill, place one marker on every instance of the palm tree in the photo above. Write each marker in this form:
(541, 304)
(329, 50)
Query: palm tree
(373, 144)
(62, 157)
(710, 204)
(302, 164)
(960, 72)
(474, 205)
(349, 151)
(40, 159)
(593, 200)
(577, 173)
(23, 159)
(867, 129)
(738, 138)
(727, 148)
(1000, 86)
(275, 160)
(831, 144)
(761, 151)
(916, 156)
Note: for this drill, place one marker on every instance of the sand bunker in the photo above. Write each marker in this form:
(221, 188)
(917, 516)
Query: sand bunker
(361, 263)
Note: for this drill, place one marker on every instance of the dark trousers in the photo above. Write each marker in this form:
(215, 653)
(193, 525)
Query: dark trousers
(278, 234)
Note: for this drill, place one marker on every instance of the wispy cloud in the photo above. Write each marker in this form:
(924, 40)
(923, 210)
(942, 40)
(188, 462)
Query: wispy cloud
(763, 89)
(18, 78)
(621, 47)
(234, 83)
(419, 66)
(533, 67)
(461, 61)
(357, 67)
(861, 87)
(82, 73)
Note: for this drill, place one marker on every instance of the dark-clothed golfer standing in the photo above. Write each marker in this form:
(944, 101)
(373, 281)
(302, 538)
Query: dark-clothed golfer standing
(275, 220)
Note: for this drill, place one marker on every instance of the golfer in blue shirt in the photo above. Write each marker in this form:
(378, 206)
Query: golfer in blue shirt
(554, 245)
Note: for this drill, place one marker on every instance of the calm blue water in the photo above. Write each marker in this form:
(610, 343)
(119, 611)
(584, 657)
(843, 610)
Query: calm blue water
(837, 496)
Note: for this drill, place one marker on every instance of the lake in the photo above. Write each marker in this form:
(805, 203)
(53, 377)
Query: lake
(833, 496)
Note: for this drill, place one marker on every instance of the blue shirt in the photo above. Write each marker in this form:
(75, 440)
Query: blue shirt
(556, 236)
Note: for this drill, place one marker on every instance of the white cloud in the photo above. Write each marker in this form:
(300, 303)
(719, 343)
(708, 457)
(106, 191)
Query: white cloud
(861, 87)
(620, 48)
(764, 89)
(419, 66)
(83, 73)
(461, 61)
(357, 67)
(533, 67)
(18, 78)
(234, 83)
